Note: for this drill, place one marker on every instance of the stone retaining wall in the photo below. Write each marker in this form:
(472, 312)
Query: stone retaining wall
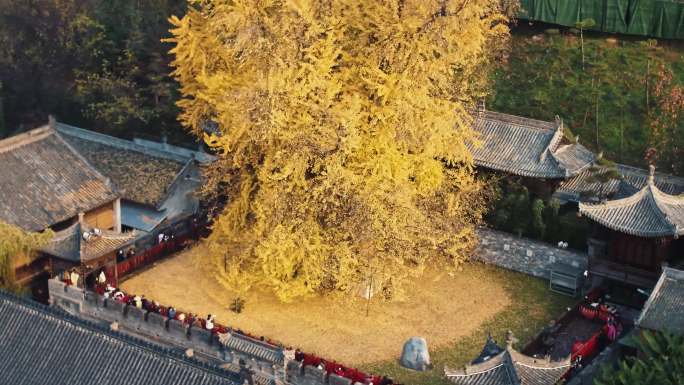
(523, 254)
(172, 332)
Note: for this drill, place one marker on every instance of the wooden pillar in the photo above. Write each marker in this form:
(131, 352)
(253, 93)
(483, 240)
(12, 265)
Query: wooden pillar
(117, 215)
(116, 272)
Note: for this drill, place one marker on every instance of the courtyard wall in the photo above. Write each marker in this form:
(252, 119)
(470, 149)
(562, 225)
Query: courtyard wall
(524, 255)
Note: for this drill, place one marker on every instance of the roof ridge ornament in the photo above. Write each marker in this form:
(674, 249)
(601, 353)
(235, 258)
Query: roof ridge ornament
(555, 140)
(651, 174)
(481, 107)
(510, 339)
(52, 122)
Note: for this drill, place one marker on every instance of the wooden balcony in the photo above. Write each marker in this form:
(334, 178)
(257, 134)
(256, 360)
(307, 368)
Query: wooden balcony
(623, 273)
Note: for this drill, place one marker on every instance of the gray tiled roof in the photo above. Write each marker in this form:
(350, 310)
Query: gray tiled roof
(526, 147)
(43, 181)
(589, 185)
(141, 175)
(664, 309)
(509, 367)
(69, 243)
(647, 213)
(252, 347)
(498, 375)
(43, 345)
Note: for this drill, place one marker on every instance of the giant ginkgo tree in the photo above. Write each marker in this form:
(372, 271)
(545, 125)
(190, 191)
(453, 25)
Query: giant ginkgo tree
(342, 129)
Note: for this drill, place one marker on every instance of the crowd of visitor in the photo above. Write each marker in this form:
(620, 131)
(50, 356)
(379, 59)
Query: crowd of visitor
(331, 367)
(209, 323)
(141, 302)
(105, 286)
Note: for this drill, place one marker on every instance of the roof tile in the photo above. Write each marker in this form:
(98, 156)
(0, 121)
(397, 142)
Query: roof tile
(647, 213)
(44, 181)
(664, 309)
(49, 346)
(526, 147)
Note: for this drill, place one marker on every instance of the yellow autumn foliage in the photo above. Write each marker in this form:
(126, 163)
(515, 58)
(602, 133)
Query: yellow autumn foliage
(342, 131)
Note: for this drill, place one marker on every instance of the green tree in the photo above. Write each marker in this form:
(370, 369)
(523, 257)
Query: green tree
(15, 243)
(667, 121)
(607, 104)
(537, 221)
(582, 25)
(343, 131)
(99, 64)
(551, 221)
(662, 364)
(520, 211)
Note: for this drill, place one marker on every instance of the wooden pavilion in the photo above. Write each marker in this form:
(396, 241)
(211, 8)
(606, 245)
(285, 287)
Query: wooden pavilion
(633, 237)
(506, 366)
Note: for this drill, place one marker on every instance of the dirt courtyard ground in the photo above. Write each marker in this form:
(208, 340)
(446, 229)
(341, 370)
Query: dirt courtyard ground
(441, 308)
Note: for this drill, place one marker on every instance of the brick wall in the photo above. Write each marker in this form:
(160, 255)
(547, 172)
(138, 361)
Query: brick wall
(268, 363)
(523, 254)
(297, 374)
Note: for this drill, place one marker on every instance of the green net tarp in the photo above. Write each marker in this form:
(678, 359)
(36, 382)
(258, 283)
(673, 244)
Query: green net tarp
(656, 18)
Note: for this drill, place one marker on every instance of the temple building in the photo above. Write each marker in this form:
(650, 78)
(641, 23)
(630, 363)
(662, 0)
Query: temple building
(614, 181)
(538, 151)
(634, 236)
(46, 184)
(103, 197)
(157, 181)
(506, 366)
(45, 345)
(664, 309)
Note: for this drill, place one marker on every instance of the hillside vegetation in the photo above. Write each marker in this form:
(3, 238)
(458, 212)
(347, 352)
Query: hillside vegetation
(621, 96)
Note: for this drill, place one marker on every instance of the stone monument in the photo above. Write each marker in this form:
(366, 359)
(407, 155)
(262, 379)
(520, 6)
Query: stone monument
(415, 354)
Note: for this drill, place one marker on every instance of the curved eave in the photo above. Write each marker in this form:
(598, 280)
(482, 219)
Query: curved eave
(625, 229)
(473, 371)
(521, 172)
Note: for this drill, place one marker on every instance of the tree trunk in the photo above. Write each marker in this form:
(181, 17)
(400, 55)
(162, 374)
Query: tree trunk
(648, 70)
(582, 46)
(597, 116)
(622, 132)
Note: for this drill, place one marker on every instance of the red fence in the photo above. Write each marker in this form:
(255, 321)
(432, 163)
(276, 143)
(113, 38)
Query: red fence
(146, 257)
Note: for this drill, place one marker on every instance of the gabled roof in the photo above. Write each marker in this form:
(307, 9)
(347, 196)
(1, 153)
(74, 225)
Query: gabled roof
(141, 174)
(70, 245)
(664, 309)
(44, 345)
(43, 181)
(648, 212)
(509, 367)
(526, 147)
(596, 182)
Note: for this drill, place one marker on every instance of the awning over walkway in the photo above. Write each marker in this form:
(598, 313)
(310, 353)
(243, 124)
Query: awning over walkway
(140, 217)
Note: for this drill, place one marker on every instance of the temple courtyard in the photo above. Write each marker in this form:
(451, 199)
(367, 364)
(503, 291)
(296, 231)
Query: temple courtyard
(454, 314)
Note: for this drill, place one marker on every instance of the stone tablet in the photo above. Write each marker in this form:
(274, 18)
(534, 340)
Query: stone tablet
(415, 354)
